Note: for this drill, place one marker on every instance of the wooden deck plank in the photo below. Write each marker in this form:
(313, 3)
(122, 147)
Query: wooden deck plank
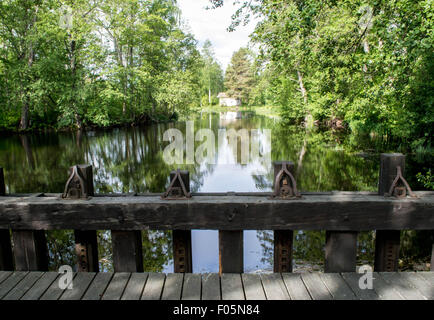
(295, 286)
(116, 286)
(173, 286)
(4, 275)
(232, 287)
(79, 286)
(384, 290)
(352, 279)
(337, 286)
(274, 286)
(154, 286)
(428, 276)
(315, 286)
(23, 286)
(192, 287)
(135, 286)
(54, 292)
(253, 286)
(11, 282)
(98, 286)
(40, 286)
(420, 283)
(211, 286)
(404, 288)
(44, 285)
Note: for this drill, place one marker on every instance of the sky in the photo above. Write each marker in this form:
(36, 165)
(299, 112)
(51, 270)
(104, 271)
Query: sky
(212, 24)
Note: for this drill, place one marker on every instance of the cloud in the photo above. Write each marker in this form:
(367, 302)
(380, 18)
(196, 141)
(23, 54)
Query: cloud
(212, 24)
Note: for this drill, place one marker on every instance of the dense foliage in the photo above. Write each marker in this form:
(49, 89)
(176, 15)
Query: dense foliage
(368, 64)
(97, 63)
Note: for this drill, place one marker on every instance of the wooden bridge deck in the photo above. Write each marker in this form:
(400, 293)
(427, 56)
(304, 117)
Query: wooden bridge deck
(21, 285)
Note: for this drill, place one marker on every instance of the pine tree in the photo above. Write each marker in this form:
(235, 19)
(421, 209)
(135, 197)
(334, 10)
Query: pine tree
(239, 77)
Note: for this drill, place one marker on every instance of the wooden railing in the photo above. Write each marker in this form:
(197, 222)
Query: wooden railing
(341, 214)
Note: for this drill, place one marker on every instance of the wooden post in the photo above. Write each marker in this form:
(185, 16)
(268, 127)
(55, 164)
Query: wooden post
(182, 256)
(231, 259)
(86, 250)
(30, 250)
(6, 259)
(432, 259)
(30, 247)
(283, 239)
(182, 253)
(86, 244)
(2, 183)
(387, 242)
(127, 251)
(340, 251)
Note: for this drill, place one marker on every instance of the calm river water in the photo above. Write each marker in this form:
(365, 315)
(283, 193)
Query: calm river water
(131, 160)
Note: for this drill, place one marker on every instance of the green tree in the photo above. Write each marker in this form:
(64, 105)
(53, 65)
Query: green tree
(212, 73)
(239, 77)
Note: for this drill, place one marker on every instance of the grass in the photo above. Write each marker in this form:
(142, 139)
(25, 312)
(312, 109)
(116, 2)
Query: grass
(268, 111)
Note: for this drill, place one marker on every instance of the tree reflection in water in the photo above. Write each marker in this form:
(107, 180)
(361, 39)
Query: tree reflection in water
(130, 160)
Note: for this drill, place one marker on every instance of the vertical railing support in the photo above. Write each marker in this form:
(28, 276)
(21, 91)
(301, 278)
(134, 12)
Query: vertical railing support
(6, 258)
(283, 239)
(340, 251)
(432, 259)
(86, 243)
(2, 183)
(387, 242)
(182, 256)
(127, 251)
(86, 250)
(231, 259)
(30, 250)
(182, 253)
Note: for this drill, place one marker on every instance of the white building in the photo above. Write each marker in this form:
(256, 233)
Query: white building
(226, 101)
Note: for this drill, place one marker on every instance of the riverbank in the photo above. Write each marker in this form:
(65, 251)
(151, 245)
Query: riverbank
(268, 111)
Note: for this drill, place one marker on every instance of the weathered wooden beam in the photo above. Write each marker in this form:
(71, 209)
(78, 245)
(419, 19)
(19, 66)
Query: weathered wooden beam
(387, 242)
(283, 239)
(127, 251)
(6, 257)
(340, 251)
(86, 250)
(30, 250)
(86, 244)
(340, 211)
(182, 253)
(231, 256)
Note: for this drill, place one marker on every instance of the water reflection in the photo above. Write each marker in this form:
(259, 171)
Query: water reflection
(131, 160)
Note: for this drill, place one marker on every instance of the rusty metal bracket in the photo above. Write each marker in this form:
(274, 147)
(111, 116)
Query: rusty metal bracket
(176, 191)
(399, 191)
(75, 187)
(283, 188)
